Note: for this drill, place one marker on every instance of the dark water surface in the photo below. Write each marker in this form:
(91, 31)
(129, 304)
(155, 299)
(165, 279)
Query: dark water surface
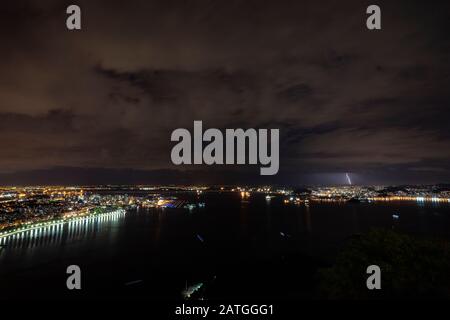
(153, 253)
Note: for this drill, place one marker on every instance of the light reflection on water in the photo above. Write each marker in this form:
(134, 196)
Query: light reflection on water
(229, 223)
(60, 234)
(161, 247)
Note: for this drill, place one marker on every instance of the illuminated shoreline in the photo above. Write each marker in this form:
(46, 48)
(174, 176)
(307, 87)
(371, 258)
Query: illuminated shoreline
(61, 221)
(371, 199)
(410, 198)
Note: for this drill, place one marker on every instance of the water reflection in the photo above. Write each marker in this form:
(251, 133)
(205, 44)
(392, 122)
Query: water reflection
(57, 234)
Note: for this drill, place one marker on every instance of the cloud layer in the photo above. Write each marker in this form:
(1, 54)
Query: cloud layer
(346, 99)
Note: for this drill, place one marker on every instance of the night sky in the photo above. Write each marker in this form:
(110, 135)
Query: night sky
(99, 105)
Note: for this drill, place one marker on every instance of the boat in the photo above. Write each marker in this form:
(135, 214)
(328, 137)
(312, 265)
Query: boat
(200, 238)
(133, 282)
(191, 290)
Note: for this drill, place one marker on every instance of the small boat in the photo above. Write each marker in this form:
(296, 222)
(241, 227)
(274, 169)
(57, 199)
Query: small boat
(190, 290)
(199, 237)
(395, 216)
(133, 282)
(285, 234)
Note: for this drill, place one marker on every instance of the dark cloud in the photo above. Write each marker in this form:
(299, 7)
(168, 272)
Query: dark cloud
(345, 99)
(296, 93)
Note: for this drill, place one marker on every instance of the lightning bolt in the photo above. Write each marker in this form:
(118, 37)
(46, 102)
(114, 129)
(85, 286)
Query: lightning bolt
(348, 179)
